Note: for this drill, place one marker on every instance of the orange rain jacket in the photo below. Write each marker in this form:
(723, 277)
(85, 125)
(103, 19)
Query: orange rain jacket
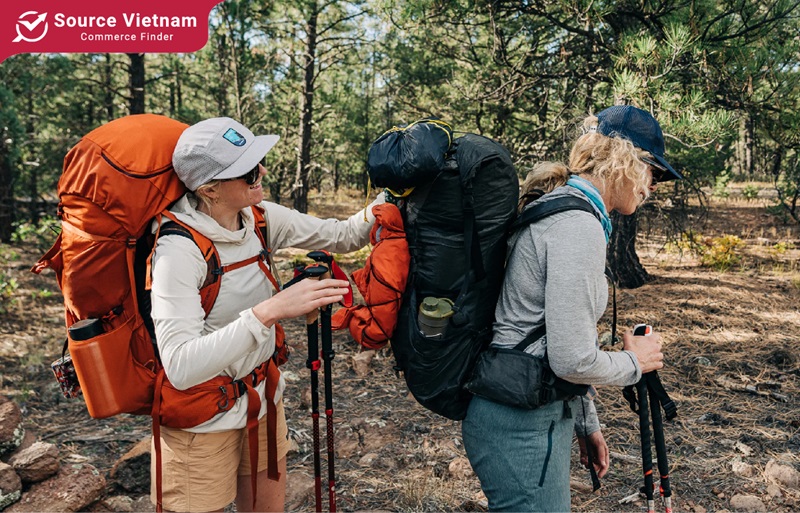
(382, 282)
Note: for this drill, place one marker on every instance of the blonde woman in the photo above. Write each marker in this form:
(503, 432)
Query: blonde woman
(207, 466)
(555, 284)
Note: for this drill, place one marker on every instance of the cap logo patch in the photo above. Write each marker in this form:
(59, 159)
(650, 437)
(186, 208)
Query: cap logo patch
(234, 137)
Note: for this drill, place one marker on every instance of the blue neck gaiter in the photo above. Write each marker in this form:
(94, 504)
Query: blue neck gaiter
(586, 187)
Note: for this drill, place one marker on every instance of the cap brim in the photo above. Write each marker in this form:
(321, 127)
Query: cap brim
(668, 173)
(251, 156)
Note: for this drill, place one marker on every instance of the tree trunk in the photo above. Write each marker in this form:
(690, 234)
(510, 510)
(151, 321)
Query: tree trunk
(137, 83)
(300, 190)
(749, 164)
(777, 160)
(172, 93)
(108, 94)
(622, 258)
(6, 190)
(335, 174)
(541, 132)
(178, 89)
(276, 185)
(33, 176)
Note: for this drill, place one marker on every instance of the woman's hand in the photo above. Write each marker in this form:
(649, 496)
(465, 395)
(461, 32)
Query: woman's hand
(646, 348)
(599, 452)
(301, 298)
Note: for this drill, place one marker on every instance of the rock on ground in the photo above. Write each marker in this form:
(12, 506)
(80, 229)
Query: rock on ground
(783, 475)
(132, 470)
(299, 489)
(11, 430)
(72, 489)
(748, 503)
(36, 463)
(10, 486)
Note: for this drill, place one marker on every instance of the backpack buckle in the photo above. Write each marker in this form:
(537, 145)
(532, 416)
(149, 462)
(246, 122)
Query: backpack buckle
(240, 387)
(223, 403)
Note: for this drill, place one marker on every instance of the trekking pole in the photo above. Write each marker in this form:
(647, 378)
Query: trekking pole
(327, 357)
(644, 434)
(313, 365)
(650, 386)
(658, 438)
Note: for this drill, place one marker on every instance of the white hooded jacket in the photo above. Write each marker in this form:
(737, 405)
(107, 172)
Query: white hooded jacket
(231, 341)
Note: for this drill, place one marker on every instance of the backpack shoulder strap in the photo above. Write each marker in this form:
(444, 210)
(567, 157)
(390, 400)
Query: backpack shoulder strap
(209, 290)
(281, 354)
(262, 230)
(536, 213)
(551, 207)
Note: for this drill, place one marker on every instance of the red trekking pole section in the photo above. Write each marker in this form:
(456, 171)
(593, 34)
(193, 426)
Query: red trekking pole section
(327, 357)
(313, 364)
(326, 265)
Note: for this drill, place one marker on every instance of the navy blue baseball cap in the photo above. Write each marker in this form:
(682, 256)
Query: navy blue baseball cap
(642, 129)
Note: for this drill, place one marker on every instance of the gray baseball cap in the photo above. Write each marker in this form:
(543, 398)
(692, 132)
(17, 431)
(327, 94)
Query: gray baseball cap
(218, 148)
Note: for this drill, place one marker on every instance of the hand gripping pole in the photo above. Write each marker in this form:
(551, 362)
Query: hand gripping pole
(313, 364)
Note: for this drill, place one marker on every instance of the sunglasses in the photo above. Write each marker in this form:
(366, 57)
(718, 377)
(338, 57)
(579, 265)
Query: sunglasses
(656, 169)
(250, 178)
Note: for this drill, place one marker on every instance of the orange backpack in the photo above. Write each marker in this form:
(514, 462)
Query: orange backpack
(116, 180)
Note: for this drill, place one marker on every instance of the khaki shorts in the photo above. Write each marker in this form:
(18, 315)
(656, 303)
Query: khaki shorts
(200, 470)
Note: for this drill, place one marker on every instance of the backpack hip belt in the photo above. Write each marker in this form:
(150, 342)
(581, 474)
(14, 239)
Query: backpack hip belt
(187, 408)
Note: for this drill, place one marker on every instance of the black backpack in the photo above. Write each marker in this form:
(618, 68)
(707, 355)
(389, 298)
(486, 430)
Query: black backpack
(457, 220)
(458, 211)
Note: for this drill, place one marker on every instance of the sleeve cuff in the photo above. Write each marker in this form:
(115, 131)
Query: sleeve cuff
(637, 375)
(586, 421)
(260, 332)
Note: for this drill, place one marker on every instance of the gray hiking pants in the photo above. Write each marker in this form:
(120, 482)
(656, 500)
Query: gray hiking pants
(521, 456)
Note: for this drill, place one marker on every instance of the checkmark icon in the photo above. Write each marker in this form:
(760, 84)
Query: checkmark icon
(30, 25)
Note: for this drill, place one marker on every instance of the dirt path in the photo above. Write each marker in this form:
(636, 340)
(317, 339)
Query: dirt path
(722, 332)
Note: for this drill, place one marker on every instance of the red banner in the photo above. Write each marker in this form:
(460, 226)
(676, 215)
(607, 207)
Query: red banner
(100, 26)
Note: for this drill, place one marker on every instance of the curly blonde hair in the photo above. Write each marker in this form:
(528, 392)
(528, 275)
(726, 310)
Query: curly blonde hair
(615, 161)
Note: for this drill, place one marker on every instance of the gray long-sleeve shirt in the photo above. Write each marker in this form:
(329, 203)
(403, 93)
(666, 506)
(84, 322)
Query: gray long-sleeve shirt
(555, 271)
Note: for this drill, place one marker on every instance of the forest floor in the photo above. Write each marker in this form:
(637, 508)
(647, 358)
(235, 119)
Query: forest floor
(730, 340)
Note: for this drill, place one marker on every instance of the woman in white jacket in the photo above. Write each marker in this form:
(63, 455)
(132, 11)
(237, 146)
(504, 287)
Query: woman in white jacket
(218, 160)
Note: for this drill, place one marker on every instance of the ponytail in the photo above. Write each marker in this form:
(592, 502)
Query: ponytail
(544, 177)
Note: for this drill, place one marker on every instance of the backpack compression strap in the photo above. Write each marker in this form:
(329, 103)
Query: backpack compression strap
(472, 248)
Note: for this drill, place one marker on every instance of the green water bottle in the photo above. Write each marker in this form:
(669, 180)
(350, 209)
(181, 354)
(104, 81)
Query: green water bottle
(434, 313)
